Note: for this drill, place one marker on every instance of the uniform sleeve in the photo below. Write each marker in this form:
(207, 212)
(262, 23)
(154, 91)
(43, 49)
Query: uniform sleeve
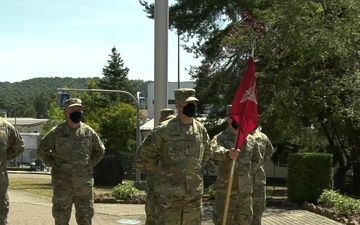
(208, 149)
(269, 150)
(148, 152)
(219, 152)
(98, 149)
(245, 156)
(138, 162)
(16, 143)
(46, 147)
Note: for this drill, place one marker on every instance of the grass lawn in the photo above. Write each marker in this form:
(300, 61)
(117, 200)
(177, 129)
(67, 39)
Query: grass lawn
(276, 191)
(42, 187)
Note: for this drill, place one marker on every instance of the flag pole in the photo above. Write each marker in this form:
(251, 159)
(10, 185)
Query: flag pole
(228, 193)
(253, 44)
(226, 209)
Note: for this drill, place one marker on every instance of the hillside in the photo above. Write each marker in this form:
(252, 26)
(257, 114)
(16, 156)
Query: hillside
(32, 98)
(30, 89)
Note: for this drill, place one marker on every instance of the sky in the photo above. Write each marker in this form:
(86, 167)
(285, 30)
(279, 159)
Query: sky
(51, 38)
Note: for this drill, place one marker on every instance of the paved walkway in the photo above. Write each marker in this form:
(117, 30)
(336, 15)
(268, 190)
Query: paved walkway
(29, 209)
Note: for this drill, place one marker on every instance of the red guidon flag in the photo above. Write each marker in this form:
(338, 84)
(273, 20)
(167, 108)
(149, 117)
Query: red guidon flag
(244, 110)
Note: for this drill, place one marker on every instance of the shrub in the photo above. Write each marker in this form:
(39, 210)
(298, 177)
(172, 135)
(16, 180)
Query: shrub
(125, 191)
(329, 198)
(210, 191)
(309, 174)
(342, 204)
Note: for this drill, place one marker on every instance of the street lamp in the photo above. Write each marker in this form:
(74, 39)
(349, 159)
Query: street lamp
(15, 104)
(178, 61)
(138, 137)
(161, 29)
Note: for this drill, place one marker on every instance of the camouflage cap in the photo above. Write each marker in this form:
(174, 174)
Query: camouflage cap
(71, 102)
(185, 95)
(228, 108)
(164, 113)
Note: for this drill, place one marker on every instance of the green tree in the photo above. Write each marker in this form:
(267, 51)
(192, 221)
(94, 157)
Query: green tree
(41, 104)
(116, 77)
(307, 67)
(21, 107)
(55, 117)
(312, 75)
(114, 122)
(118, 127)
(93, 108)
(140, 85)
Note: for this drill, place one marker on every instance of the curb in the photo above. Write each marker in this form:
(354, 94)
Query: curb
(28, 172)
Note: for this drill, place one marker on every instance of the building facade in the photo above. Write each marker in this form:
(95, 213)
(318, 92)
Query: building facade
(29, 155)
(170, 95)
(29, 129)
(26, 125)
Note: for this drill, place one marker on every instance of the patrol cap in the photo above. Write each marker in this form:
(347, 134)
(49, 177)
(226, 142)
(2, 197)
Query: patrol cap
(185, 95)
(164, 113)
(71, 102)
(228, 109)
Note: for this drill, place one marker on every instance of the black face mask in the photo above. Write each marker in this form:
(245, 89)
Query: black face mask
(75, 117)
(234, 125)
(189, 110)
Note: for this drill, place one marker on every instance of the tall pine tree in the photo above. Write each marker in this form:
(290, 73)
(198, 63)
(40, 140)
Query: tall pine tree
(116, 78)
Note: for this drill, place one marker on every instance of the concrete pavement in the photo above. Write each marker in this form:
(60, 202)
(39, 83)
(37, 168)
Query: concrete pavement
(29, 209)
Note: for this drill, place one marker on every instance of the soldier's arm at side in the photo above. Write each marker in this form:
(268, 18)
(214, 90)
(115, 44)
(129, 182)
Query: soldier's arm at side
(245, 156)
(269, 151)
(138, 163)
(219, 153)
(147, 155)
(16, 143)
(45, 149)
(208, 149)
(245, 183)
(98, 149)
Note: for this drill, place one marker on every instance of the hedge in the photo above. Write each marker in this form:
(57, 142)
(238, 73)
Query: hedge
(309, 174)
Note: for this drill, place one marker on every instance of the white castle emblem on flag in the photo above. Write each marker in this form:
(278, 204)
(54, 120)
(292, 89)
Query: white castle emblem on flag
(249, 95)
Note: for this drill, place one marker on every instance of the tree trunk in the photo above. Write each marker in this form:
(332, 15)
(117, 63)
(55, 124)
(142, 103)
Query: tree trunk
(356, 178)
(339, 179)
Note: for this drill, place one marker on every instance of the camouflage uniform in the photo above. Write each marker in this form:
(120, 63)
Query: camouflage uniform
(177, 153)
(262, 152)
(11, 145)
(240, 204)
(72, 154)
(165, 114)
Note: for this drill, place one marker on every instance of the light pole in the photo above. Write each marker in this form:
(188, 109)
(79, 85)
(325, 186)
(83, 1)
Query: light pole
(138, 137)
(161, 27)
(178, 34)
(15, 104)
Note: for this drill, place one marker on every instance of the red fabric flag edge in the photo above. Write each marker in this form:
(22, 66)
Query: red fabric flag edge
(244, 110)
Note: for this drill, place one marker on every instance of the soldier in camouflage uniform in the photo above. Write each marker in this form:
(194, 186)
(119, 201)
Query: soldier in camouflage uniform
(72, 149)
(262, 152)
(176, 152)
(11, 145)
(165, 114)
(240, 204)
